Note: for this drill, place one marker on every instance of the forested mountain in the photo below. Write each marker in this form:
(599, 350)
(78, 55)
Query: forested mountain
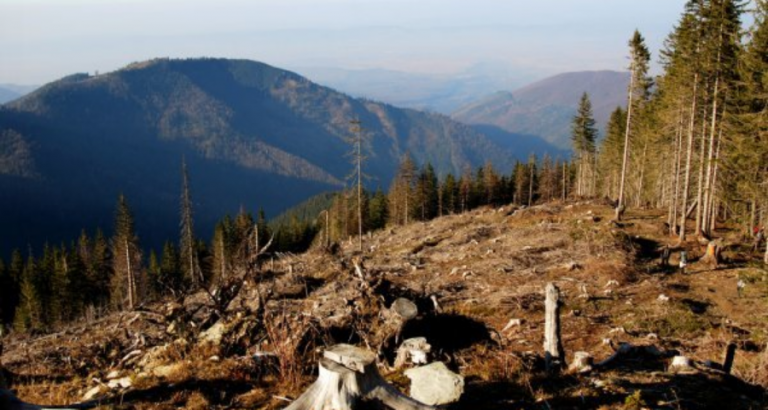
(545, 108)
(252, 135)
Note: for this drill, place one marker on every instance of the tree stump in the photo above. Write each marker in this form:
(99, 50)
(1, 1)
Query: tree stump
(712, 256)
(348, 376)
(553, 348)
(728, 356)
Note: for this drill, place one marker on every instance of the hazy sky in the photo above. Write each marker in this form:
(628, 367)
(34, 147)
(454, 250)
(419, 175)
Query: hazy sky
(42, 40)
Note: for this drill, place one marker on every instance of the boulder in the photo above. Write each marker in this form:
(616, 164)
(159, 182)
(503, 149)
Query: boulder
(434, 384)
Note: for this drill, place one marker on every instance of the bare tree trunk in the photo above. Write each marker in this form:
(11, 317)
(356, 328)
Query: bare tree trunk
(687, 180)
(553, 349)
(530, 186)
(710, 160)
(642, 175)
(700, 181)
(131, 279)
(625, 157)
(678, 160)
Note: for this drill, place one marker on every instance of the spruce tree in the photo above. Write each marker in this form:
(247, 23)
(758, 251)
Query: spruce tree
(126, 259)
(639, 84)
(584, 135)
(187, 245)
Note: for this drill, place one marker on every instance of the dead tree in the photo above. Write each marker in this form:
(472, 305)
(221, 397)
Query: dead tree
(553, 348)
(347, 377)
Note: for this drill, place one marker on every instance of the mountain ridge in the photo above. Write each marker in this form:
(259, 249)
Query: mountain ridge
(82, 140)
(546, 107)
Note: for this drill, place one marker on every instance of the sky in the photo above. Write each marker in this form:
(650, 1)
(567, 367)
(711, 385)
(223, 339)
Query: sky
(43, 40)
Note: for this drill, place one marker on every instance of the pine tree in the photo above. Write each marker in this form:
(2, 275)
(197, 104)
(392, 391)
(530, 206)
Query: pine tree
(378, 211)
(584, 135)
(401, 193)
(639, 85)
(29, 313)
(449, 194)
(191, 266)
(426, 193)
(126, 262)
(611, 152)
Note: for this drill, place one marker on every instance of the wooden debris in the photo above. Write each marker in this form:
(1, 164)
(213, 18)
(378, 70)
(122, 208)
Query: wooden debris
(582, 363)
(414, 350)
(348, 376)
(553, 348)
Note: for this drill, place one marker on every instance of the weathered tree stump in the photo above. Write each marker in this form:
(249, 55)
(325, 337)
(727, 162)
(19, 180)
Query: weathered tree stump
(348, 376)
(553, 348)
(712, 256)
(728, 356)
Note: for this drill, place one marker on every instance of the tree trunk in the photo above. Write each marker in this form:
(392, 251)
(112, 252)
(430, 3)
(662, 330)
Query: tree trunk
(710, 161)
(687, 179)
(130, 278)
(625, 157)
(553, 348)
(348, 376)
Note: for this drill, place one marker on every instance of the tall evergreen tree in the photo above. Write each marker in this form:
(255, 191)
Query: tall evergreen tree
(191, 266)
(584, 135)
(126, 262)
(639, 84)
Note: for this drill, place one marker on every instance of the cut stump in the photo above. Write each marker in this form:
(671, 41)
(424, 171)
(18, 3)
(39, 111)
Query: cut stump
(347, 377)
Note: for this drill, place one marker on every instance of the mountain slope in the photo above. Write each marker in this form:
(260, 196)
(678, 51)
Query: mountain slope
(252, 135)
(547, 107)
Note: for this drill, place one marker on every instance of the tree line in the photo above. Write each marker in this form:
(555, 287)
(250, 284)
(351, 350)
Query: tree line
(694, 139)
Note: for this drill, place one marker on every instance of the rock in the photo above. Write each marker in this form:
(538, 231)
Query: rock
(214, 334)
(582, 363)
(122, 383)
(404, 308)
(663, 298)
(680, 364)
(435, 384)
(415, 349)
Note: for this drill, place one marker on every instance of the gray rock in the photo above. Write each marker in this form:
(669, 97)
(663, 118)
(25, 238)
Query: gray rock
(435, 384)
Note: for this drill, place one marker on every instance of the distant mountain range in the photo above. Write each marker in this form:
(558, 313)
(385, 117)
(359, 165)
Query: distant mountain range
(427, 92)
(546, 108)
(252, 136)
(10, 92)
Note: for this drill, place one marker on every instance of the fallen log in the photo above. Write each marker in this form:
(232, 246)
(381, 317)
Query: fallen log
(347, 377)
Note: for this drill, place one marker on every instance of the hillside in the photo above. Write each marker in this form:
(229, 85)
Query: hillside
(477, 280)
(253, 136)
(546, 108)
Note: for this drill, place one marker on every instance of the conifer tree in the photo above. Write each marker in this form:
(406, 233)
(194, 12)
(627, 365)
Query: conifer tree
(401, 193)
(191, 266)
(126, 262)
(584, 135)
(449, 194)
(611, 152)
(378, 210)
(639, 84)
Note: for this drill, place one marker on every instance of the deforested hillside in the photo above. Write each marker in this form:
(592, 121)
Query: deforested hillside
(472, 285)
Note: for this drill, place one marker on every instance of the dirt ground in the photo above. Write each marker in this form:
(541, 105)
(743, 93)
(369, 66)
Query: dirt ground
(484, 269)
